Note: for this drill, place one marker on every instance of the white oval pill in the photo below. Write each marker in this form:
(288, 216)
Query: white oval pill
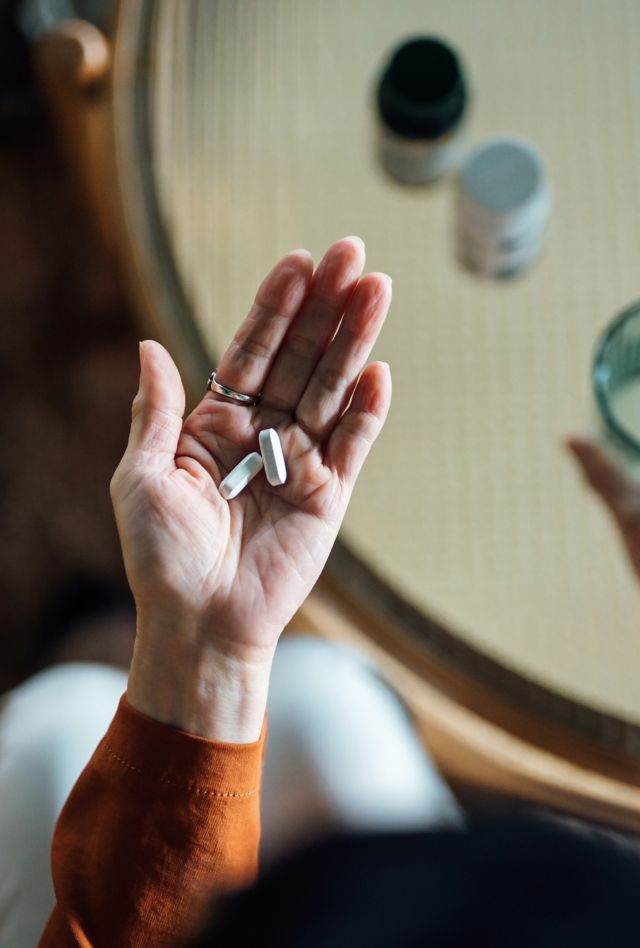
(237, 479)
(271, 448)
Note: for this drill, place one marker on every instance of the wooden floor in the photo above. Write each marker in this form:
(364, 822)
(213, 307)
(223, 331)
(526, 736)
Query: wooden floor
(68, 372)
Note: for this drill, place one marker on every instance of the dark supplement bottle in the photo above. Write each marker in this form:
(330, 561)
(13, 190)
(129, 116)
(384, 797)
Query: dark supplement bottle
(422, 99)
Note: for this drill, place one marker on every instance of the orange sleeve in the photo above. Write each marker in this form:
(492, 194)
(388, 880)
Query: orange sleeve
(157, 822)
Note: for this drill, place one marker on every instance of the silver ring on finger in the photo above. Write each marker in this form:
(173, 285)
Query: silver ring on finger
(239, 398)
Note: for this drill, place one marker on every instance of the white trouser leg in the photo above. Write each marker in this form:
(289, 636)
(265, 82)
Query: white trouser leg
(49, 727)
(342, 752)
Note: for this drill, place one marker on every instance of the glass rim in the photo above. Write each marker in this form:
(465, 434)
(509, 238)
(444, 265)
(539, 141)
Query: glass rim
(600, 376)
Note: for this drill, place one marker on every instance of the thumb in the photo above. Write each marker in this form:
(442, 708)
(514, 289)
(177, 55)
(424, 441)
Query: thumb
(604, 475)
(158, 408)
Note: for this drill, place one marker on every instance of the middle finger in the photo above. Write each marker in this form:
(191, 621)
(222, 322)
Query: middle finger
(332, 383)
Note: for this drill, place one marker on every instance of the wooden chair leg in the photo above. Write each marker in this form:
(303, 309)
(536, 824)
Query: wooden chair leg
(73, 63)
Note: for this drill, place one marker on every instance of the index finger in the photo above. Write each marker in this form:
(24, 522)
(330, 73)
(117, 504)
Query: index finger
(247, 361)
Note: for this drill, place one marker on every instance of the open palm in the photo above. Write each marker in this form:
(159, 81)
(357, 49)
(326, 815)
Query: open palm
(241, 568)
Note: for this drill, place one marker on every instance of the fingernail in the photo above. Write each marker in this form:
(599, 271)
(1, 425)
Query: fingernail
(356, 238)
(302, 251)
(383, 276)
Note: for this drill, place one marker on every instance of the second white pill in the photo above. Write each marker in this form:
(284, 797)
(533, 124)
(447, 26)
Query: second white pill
(237, 479)
(273, 457)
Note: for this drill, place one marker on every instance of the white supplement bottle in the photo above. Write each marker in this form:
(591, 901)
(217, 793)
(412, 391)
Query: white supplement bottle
(503, 198)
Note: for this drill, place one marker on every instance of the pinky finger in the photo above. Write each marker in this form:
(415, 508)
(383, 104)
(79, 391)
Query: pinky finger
(352, 437)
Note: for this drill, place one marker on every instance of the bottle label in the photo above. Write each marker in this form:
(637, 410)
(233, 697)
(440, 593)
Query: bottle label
(417, 162)
(501, 256)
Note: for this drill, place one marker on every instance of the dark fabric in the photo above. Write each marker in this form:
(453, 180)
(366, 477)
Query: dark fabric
(504, 882)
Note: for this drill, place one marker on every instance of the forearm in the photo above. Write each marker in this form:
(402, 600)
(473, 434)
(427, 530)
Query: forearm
(157, 824)
(196, 686)
(167, 812)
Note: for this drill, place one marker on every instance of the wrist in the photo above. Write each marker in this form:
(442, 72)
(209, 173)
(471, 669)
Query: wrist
(194, 686)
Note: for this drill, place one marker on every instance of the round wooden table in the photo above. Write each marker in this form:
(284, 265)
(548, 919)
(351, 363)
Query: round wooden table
(472, 556)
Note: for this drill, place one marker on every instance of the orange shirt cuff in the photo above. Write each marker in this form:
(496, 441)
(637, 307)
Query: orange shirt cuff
(176, 758)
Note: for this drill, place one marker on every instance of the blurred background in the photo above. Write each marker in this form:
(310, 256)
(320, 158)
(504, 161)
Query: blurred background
(68, 347)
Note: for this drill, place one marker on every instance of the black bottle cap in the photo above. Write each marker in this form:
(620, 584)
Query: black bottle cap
(422, 93)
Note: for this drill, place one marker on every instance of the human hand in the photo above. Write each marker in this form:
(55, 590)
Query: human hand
(215, 582)
(619, 492)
